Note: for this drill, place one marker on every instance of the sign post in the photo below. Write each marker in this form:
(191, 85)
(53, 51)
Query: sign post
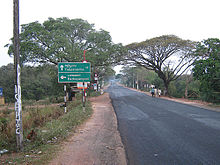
(65, 98)
(84, 97)
(75, 72)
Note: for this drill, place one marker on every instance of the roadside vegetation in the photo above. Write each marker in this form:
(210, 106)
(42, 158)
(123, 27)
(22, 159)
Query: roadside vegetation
(42, 127)
(181, 68)
(173, 60)
(184, 87)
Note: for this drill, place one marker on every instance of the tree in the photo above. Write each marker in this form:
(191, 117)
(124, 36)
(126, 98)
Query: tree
(63, 39)
(106, 74)
(40, 82)
(167, 55)
(132, 75)
(7, 82)
(207, 69)
(37, 82)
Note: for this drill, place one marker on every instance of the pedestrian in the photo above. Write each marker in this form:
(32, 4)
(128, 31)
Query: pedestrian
(155, 92)
(159, 92)
(152, 92)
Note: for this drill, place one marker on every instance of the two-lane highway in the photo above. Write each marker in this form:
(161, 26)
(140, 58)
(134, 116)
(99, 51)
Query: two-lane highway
(161, 132)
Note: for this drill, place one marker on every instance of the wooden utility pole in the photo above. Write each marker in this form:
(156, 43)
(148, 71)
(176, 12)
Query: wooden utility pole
(18, 105)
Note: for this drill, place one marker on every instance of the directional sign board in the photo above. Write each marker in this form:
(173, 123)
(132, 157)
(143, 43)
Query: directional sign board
(74, 67)
(70, 72)
(74, 77)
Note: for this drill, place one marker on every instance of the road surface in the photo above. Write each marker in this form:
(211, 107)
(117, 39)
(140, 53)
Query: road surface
(156, 131)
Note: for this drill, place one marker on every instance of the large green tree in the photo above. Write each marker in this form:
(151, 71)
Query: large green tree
(38, 82)
(207, 69)
(168, 55)
(64, 39)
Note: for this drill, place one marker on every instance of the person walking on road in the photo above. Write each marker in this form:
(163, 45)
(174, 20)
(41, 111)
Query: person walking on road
(159, 92)
(152, 92)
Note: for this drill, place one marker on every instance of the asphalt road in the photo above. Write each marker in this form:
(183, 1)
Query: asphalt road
(155, 131)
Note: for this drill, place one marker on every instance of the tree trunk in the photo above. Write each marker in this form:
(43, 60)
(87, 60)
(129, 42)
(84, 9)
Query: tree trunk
(166, 90)
(188, 80)
(165, 81)
(186, 90)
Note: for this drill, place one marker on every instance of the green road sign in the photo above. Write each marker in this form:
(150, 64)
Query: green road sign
(73, 77)
(71, 72)
(74, 67)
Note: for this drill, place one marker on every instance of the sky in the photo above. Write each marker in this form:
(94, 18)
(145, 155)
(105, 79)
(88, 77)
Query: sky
(127, 21)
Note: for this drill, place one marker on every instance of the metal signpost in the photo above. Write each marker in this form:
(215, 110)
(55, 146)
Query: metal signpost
(74, 72)
(65, 99)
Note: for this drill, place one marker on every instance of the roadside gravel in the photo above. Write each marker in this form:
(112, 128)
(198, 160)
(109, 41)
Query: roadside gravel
(97, 142)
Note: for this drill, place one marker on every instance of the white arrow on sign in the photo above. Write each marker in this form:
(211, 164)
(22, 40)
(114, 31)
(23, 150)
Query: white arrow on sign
(62, 77)
(61, 67)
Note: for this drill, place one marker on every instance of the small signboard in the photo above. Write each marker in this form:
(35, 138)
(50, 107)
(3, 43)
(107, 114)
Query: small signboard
(1, 91)
(95, 86)
(72, 72)
(96, 77)
(80, 85)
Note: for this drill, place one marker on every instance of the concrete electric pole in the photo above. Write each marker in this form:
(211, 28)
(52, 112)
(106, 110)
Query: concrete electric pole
(18, 105)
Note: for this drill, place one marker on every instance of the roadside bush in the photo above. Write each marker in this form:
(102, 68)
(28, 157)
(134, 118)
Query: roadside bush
(37, 82)
(36, 119)
(95, 93)
(3, 124)
(53, 99)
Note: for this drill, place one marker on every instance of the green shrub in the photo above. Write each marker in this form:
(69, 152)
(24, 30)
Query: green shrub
(51, 118)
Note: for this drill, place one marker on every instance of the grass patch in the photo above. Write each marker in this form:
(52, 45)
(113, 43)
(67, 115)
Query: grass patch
(94, 94)
(46, 101)
(50, 125)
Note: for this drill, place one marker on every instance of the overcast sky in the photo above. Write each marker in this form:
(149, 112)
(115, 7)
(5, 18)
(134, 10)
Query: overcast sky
(127, 20)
